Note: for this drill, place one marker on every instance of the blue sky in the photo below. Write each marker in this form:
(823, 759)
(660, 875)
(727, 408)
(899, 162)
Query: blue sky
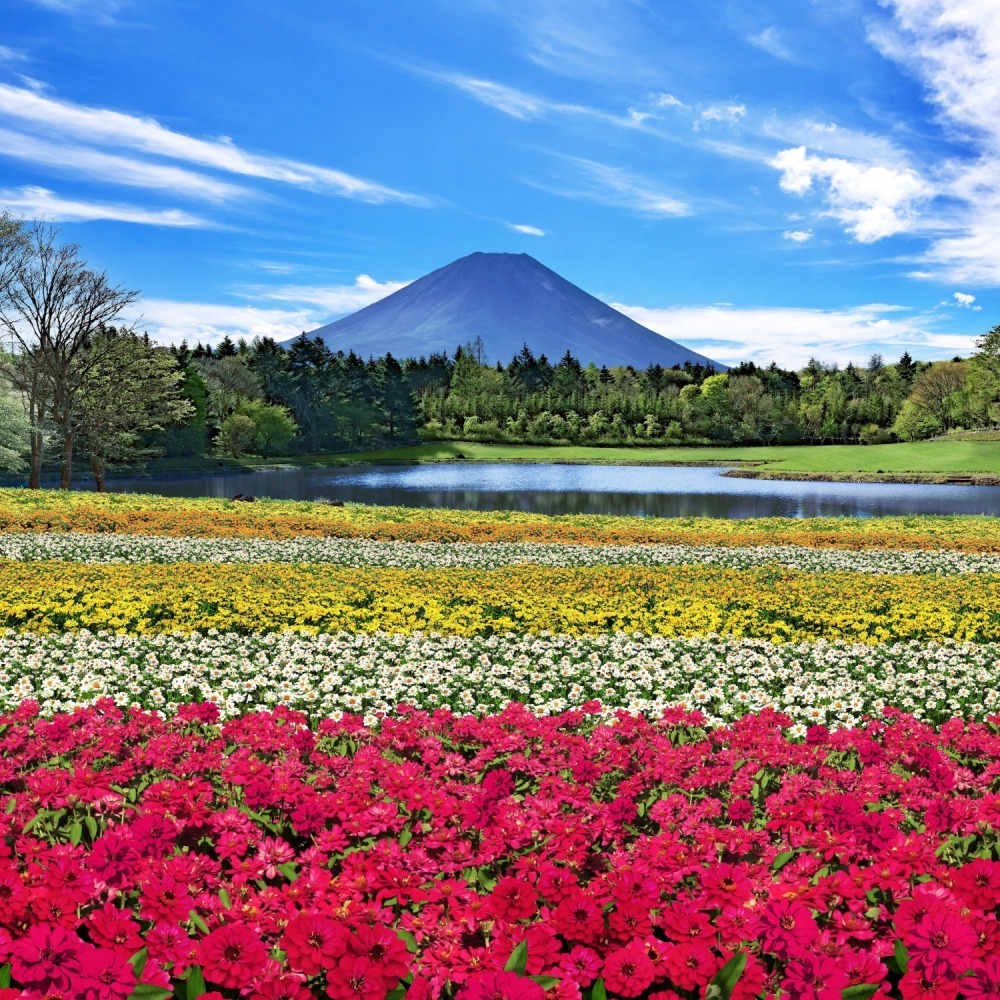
(766, 181)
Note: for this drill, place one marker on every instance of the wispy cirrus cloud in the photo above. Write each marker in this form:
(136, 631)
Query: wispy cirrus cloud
(591, 39)
(40, 203)
(772, 41)
(91, 10)
(611, 185)
(60, 121)
(10, 56)
(526, 230)
(66, 158)
(728, 114)
(520, 104)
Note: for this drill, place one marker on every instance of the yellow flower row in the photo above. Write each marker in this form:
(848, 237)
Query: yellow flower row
(46, 510)
(670, 601)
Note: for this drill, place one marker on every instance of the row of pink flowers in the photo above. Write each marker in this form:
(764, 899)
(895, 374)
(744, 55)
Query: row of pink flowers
(501, 858)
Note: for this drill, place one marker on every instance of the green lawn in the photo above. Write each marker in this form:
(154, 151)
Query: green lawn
(943, 457)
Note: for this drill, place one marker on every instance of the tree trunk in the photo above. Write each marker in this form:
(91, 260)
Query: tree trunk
(66, 468)
(97, 467)
(35, 476)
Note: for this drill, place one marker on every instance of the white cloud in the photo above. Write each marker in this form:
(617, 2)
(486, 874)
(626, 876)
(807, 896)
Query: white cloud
(527, 107)
(169, 322)
(953, 48)
(9, 55)
(666, 101)
(873, 202)
(527, 230)
(40, 203)
(798, 235)
(960, 300)
(104, 127)
(835, 140)
(65, 158)
(591, 39)
(729, 114)
(770, 41)
(329, 301)
(609, 185)
(93, 10)
(307, 307)
(791, 336)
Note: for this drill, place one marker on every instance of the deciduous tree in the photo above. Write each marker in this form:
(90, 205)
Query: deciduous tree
(52, 305)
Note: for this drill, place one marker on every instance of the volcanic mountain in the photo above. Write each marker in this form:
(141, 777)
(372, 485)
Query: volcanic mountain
(507, 300)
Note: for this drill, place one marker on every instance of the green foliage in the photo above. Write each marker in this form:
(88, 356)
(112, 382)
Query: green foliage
(274, 427)
(236, 435)
(14, 442)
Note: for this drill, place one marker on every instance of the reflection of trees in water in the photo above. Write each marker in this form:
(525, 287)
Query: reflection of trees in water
(690, 497)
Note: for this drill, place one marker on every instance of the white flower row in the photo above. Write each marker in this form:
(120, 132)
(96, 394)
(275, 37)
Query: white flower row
(831, 683)
(116, 548)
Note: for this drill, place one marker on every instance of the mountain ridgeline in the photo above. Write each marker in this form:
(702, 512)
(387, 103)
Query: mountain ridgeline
(505, 301)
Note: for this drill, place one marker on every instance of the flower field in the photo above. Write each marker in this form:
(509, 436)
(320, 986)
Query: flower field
(279, 751)
(326, 675)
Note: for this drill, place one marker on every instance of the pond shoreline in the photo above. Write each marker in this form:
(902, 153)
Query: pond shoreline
(760, 469)
(900, 478)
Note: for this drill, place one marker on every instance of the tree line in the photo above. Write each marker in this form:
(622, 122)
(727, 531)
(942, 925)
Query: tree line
(334, 401)
(75, 380)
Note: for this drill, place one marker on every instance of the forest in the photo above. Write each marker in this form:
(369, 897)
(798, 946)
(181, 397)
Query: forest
(258, 396)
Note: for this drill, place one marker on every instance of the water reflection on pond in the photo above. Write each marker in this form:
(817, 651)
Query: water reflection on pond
(661, 491)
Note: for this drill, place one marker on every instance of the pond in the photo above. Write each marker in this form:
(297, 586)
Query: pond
(652, 491)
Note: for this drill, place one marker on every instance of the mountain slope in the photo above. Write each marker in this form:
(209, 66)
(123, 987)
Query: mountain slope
(507, 300)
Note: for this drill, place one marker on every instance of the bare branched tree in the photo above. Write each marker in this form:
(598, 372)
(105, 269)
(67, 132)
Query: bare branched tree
(51, 308)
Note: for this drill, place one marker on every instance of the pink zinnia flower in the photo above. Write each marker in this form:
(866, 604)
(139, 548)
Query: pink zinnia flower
(689, 965)
(581, 966)
(923, 986)
(355, 978)
(113, 859)
(984, 983)
(941, 941)
(786, 928)
(513, 900)
(14, 897)
(579, 918)
(115, 929)
(630, 920)
(106, 975)
(628, 971)
(500, 986)
(282, 988)
(313, 942)
(725, 885)
(979, 883)
(165, 899)
(46, 957)
(232, 956)
(815, 977)
(382, 947)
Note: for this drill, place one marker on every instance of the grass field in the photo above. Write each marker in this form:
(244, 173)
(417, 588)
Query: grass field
(922, 457)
